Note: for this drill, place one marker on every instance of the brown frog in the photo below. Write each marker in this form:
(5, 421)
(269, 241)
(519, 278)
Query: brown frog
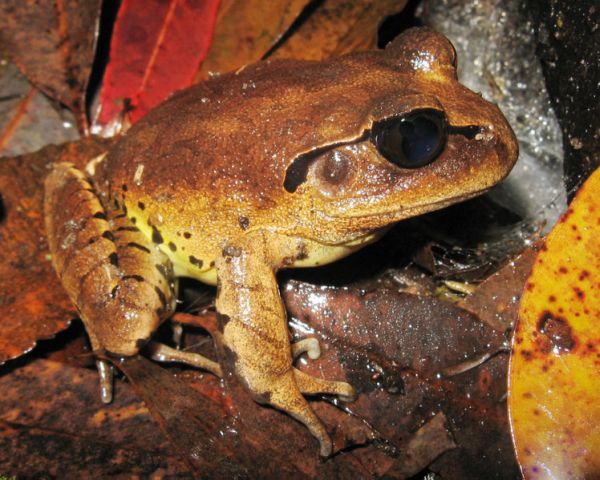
(282, 164)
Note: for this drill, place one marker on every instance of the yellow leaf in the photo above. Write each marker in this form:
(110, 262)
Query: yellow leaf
(554, 392)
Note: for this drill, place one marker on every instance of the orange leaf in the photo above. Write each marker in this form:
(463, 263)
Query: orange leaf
(337, 27)
(245, 31)
(555, 368)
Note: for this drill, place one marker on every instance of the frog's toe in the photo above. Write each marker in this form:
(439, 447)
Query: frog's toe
(105, 373)
(310, 346)
(163, 353)
(310, 385)
(285, 396)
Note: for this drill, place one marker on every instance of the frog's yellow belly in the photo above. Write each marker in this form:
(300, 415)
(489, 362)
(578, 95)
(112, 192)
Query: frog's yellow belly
(314, 254)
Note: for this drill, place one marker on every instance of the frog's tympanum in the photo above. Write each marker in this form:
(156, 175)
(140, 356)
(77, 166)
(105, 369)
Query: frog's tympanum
(282, 164)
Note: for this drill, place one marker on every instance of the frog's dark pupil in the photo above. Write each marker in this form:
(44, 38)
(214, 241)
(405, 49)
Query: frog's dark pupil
(413, 140)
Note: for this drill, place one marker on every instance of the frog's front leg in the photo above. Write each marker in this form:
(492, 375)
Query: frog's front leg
(255, 334)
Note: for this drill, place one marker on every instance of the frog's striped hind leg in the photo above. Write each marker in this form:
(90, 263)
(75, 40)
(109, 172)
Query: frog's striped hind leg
(121, 283)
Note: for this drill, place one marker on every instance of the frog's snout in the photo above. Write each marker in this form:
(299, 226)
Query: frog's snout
(507, 146)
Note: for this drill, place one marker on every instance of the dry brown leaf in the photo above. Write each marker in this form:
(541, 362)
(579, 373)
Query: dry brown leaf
(52, 422)
(33, 305)
(53, 43)
(496, 300)
(337, 27)
(383, 342)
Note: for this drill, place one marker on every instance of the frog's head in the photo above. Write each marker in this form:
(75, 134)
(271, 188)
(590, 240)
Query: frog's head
(424, 141)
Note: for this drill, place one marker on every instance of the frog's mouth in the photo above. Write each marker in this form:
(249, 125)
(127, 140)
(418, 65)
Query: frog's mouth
(400, 212)
(467, 168)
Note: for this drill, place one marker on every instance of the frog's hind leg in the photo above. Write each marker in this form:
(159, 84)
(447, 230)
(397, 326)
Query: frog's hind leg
(121, 283)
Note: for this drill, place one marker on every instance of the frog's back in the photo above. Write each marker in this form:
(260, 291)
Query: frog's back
(241, 130)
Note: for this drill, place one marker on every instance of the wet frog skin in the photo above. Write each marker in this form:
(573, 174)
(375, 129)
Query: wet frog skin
(282, 164)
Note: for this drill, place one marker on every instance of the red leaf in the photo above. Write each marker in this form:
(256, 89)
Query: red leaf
(156, 49)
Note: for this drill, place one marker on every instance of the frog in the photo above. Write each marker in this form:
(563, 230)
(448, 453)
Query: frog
(282, 164)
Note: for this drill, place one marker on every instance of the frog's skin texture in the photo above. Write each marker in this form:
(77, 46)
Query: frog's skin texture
(266, 168)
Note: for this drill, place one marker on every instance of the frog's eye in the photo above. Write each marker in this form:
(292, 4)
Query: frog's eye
(413, 140)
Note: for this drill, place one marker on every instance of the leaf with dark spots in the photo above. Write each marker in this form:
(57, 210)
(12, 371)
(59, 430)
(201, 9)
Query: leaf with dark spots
(555, 366)
(33, 305)
(337, 27)
(53, 43)
(51, 417)
(28, 119)
(394, 348)
(156, 49)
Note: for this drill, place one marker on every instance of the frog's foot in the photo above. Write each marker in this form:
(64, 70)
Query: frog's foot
(285, 396)
(310, 385)
(105, 373)
(310, 346)
(163, 353)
